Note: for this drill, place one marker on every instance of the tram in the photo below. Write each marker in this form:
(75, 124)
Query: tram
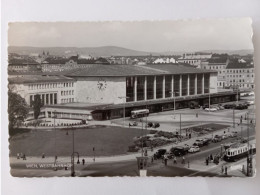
(239, 151)
(139, 113)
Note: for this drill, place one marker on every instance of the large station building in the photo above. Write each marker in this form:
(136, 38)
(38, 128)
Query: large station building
(105, 91)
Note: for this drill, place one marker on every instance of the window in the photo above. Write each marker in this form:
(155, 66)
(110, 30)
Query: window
(61, 93)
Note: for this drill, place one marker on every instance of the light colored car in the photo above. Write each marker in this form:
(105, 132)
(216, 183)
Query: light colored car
(194, 149)
(211, 109)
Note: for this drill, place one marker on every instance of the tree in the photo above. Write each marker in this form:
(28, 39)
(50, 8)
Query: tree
(17, 109)
(37, 104)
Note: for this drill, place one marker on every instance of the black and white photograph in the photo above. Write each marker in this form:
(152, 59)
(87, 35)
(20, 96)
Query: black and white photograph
(167, 98)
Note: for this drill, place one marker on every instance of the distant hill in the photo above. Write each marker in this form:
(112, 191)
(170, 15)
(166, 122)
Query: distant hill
(69, 51)
(107, 51)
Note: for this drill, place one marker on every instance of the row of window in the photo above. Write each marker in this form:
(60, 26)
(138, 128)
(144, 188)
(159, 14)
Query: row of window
(242, 150)
(67, 100)
(69, 92)
(215, 67)
(239, 75)
(239, 71)
(50, 85)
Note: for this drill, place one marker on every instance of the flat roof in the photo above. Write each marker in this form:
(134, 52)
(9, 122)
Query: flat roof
(38, 78)
(93, 70)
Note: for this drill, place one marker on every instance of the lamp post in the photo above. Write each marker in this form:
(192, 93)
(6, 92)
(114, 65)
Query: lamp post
(73, 155)
(123, 97)
(173, 94)
(55, 157)
(209, 96)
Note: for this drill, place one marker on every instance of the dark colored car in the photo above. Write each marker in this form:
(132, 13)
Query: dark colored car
(229, 106)
(179, 150)
(159, 154)
(241, 107)
(217, 138)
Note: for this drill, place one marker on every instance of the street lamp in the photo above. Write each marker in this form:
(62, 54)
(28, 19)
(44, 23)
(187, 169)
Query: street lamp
(209, 96)
(73, 154)
(55, 158)
(123, 97)
(173, 94)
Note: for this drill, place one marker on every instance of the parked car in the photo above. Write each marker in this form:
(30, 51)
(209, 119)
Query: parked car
(159, 154)
(194, 149)
(179, 150)
(169, 155)
(196, 143)
(229, 106)
(241, 107)
(206, 141)
(217, 138)
(211, 109)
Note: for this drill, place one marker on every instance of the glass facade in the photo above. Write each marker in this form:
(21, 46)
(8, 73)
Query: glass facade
(206, 83)
(192, 84)
(130, 89)
(184, 85)
(199, 83)
(176, 87)
(140, 88)
(150, 90)
(155, 87)
(159, 87)
(168, 86)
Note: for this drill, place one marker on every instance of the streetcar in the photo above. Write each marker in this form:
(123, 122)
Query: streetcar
(139, 113)
(239, 151)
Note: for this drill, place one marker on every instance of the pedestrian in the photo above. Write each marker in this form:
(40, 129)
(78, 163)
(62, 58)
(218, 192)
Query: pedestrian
(189, 135)
(174, 160)
(18, 156)
(129, 125)
(225, 170)
(24, 157)
(183, 160)
(211, 157)
(222, 169)
(207, 161)
(83, 161)
(165, 161)
(43, 155)
(152, 159)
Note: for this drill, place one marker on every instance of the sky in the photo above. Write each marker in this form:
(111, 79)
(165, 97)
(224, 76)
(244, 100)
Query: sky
(150, 36)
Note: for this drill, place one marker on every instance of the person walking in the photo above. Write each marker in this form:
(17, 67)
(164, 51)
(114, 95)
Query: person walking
(165, 161)
(222, 169)
(43, 155)
(174, 160)
(152, 159)
(83, 161)
(18, 156)
(183, 160)
(225, 170)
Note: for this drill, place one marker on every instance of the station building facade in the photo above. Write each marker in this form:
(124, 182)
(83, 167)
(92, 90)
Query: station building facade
(105, 91)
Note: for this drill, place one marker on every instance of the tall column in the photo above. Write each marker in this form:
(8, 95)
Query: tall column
(180, 85)
(154, 88)
(195, 84)
(188, 85)
(172, 86)
(163, 87)
(202, 83)
(135, 89)
(53, 98)
(145, 88)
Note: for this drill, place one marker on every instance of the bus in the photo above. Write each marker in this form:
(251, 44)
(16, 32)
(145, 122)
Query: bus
(139, 113)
